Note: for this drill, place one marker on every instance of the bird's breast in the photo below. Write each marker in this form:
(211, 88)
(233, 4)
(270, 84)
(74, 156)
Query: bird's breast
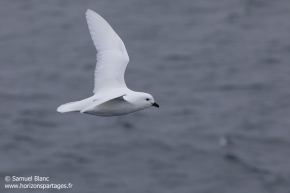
(114, 108)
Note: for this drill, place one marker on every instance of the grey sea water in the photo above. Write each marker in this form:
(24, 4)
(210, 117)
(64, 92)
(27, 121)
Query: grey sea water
(219, 70)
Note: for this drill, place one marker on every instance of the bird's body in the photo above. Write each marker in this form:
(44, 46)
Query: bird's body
(111, 95)
(125, 104)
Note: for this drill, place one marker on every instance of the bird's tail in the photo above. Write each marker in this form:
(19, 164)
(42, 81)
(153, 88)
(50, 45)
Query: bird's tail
(70, 107)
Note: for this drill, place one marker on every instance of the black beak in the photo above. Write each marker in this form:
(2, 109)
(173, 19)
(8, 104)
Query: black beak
(155, 105)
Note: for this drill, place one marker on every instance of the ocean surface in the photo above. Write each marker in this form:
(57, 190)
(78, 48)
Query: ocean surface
(218, 69)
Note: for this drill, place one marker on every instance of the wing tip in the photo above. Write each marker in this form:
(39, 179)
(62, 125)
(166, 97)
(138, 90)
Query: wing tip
(60, 109)
(90, 12)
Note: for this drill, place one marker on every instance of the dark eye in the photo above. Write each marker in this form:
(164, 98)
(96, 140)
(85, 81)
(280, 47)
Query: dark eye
(147, 99)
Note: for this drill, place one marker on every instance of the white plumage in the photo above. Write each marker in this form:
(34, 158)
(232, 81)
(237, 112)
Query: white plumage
(111, 95)
(112, 56)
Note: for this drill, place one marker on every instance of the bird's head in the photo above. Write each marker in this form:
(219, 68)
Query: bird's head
(144, 100)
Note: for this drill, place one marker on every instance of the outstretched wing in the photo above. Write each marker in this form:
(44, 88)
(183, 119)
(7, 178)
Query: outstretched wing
(101, 100)
(112, 56)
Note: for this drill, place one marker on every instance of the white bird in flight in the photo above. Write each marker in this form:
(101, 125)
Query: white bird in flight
(111, 95)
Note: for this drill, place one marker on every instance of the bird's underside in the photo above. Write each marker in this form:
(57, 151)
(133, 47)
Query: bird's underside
(114, 107)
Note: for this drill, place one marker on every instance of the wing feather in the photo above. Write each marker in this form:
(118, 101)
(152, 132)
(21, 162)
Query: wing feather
(103, 99)
(112, 56)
